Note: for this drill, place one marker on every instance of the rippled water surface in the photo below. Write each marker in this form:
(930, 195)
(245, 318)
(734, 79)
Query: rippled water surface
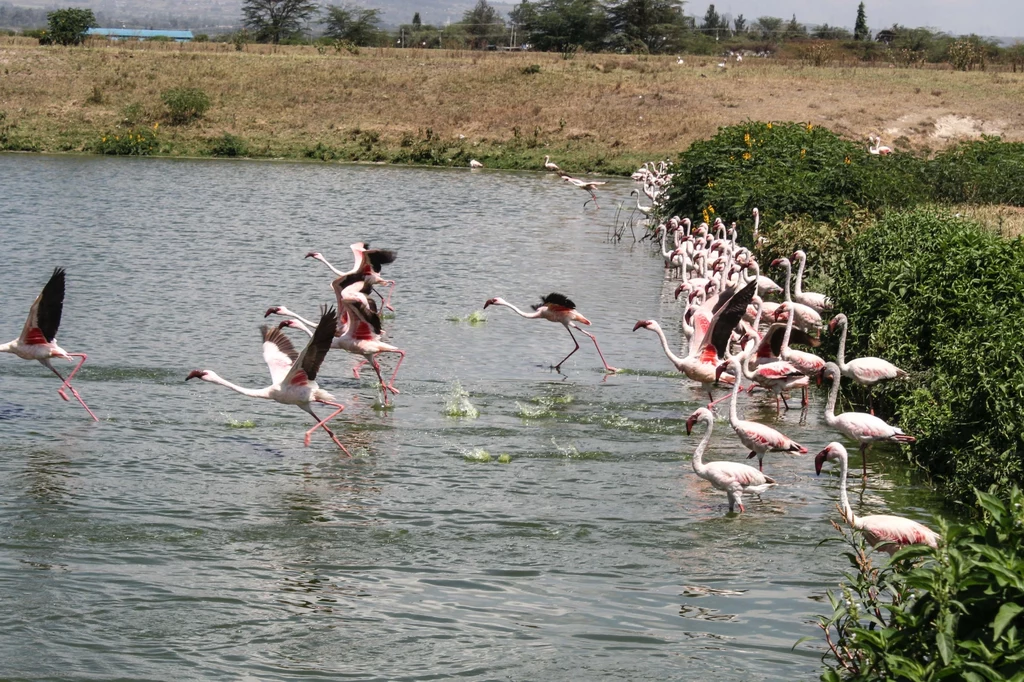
(190, 535)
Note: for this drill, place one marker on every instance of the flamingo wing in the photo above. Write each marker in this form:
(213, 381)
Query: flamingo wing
(770, 438)
(44, 315)
(278, 352)
(379, 257)
(308, 363)
(728, 316)
(897, 530)
(725, 474)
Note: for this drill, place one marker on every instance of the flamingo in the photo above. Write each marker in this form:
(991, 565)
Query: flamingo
(473, 163)
(808, 319)
(864, 371)
(293, 373)
(557, 308)
(759, 239)
(859, 426)
(876, 147)
(734, 478)
(808, 363)
(820, 302)
(586, 186)
(710, 338)
(367, 262)
(757, 438)
(893, 533)
(550, 165)
(38, 338)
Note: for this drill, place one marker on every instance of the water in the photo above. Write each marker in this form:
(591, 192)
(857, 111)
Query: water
(190, 535)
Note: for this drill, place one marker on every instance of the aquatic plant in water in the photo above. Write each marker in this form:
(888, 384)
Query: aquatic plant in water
(456, 403)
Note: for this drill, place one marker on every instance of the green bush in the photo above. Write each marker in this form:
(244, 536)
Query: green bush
(185, 104)
(986, 171)
(229, 145)
(67, 26)
(940, 297)
(130, 143)
(955, 615)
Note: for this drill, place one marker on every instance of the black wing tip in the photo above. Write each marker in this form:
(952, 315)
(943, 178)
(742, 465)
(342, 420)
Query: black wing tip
(556, 299)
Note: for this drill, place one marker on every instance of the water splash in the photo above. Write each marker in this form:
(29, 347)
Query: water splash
(457, 405)
(474, 318)
(235, 424)
(477, 455)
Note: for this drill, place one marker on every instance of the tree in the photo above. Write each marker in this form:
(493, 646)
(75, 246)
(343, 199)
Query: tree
(770, 28)
(826, 32)
(566, 25)
(483, 24)
(68, 26)
(646, 25)
(357, 25)
(712, 23)
(860, 29)
(739, 23)
(416, 21)
(272, 20)
(795, 29)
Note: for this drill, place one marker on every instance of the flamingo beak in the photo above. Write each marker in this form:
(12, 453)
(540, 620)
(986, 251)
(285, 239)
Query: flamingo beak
(777, 262)
(719, 371)
(832, 325)
(819, 459)
(639, 323)
(273, 310)
(312, 254)
(821, 375)
(195, 374)
(690, 422)
(490, 301)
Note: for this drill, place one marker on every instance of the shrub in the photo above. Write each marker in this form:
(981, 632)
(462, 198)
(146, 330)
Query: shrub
(940, 296)
(531, 69)
(185, 104)
(984, 171)
(790, 169)
(130, 143)
(67, 26)
(955, 615)
(132, 114)
(229, 145)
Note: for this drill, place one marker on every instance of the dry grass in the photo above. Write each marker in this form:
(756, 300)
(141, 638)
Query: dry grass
(595, 111)
(1007, 221)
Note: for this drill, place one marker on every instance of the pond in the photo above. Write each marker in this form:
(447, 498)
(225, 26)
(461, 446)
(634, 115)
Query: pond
(190, 535)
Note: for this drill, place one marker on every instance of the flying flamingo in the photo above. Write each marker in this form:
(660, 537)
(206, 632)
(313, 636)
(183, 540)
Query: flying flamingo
(710, 338)
(367, 262)
(293, 373)
(586, 186)
(734, 478)
(859, 426)
(893, 533)
(557, 308)
(38, 339)
(876, 147)
(550, 165)
(755, 437)
(864, 371)
(820, 302)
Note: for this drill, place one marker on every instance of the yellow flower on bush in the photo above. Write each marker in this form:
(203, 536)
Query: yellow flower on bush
(803, 153)
(747, 156)
(746, 139)
(706, 219)
(711, 184)
(769, 125)
(711, 209)
(847, 160)
(156, 125)
(810, 127)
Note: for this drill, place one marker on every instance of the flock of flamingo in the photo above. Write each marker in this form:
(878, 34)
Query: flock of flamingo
(733, 334)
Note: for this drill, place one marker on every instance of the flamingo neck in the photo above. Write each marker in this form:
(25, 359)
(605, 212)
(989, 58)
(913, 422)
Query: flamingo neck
(833, 394)
(530, 316)
(798, 286)
(844, 499)
(789, 331)
(251, 392)
(757, 317)
(676, 360)
(733, 417)
(841, 355)
(698, 455)
(335, 270)
(789, 275)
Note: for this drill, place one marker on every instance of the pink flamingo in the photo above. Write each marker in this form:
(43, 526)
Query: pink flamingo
(877, 148)
(808, 319)
(293, 373)
(38, 339)
(864, 371)
(734, 478)
(820, 302)
(808, 363)
(557, 308)
(756, 437)
(709, 340)
(367, 262)
(893, 533)
(859, 426)
(586, 186)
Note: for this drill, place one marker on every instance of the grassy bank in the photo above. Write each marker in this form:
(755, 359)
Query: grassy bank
(603, 113)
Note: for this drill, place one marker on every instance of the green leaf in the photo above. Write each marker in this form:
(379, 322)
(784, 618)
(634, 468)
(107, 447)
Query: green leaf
(942, 640)
(1007, 612)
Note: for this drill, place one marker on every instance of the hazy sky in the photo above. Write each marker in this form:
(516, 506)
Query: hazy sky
(984, 17)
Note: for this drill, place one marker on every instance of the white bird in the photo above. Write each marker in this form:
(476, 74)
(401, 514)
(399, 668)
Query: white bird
(473, 163)
(734, 478)
(586, 186)
(550, 165)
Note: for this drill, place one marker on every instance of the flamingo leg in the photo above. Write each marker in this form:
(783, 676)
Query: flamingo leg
(864, 455)
(806, 399)
(391, 291)
(355, 370)
(391, 384)
(594, 339)
(66, 383)
(558, 367)
(383, 386)
(323, 423)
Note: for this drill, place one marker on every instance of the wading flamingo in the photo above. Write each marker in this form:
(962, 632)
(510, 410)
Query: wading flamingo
(882, 531)
(586, 186)
(864, 371)
(820, 302)
(557, 308)
(293, 373)
(859, 426)
(756, 437)
(550, 165)
(473, 163)
(808, 319)
(734, 478)
(38, 339)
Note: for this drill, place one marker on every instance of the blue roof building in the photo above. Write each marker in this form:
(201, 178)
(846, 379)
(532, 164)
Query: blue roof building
(139, 34)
